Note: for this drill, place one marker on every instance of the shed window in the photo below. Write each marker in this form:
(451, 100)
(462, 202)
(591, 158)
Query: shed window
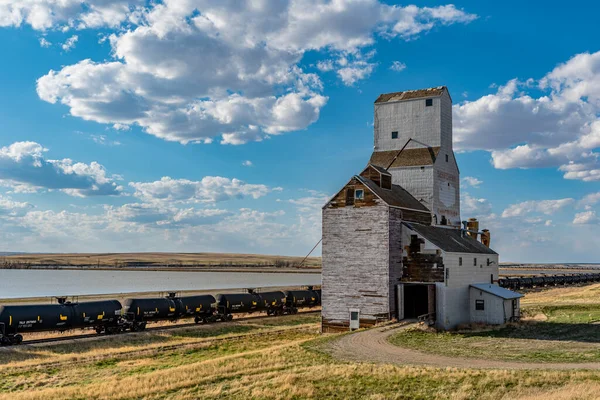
(395, 135)
(354, 315)
(459, 260)
(349, 196)
(479, 305)
(446, 157)
(386, 182)
(428, 102)
(359, 194)
(475, 262)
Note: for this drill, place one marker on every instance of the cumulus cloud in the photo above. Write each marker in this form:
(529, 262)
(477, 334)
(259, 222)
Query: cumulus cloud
(559, 128)
(586, 217)
(189, 71)
(474, 207)
(471, 181)
(24, 168)
(247, 163)
(547, 207)
(211, 189)
(45, 43)
(47, 14)
(590, 200)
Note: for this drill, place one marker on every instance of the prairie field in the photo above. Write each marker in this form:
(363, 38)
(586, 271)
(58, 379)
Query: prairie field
(287, 358)
(168, 260)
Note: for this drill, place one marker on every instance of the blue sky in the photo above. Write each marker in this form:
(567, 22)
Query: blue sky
(224, 126)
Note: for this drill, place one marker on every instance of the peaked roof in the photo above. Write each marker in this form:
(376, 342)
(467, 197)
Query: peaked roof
(497, 291)
(411, 94)
(408, 157)
(396, 197)
(381, 170)
(450, 239)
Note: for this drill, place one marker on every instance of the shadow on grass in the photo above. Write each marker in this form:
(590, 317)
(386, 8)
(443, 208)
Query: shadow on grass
(588, 333)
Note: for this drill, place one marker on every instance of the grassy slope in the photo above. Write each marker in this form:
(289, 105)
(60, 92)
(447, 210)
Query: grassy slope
(282, 363)
(560, 327)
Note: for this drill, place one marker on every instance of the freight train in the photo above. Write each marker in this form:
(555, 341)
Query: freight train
(112, 316)
(547, 280)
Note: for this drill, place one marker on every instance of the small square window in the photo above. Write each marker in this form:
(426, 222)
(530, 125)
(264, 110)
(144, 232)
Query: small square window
(359, 194)
(459, 260)
(395, 135)
(479, 305)
(428, 102)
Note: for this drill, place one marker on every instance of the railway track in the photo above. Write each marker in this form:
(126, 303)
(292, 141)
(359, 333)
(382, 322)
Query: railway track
(150, 329)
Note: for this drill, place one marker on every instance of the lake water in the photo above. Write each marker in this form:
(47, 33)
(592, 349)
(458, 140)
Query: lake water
(19, 283)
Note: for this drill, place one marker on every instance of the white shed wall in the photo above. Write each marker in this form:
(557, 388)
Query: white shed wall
(453, 295)
(494, 308)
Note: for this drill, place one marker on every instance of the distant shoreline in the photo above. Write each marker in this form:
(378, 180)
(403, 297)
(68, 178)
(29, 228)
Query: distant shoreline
(166, 268)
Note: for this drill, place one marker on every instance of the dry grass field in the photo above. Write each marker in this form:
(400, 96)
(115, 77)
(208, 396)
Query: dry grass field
(168, 260)
(272, 358)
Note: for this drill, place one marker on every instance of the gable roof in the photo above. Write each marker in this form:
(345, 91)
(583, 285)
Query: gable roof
(411, 94)
(408, 158)
(396, 197)
(497, 291)
(450, 239)
(380, 169)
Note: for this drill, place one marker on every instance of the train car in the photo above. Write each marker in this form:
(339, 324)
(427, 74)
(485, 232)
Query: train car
(138, 312)
(103, 316)
(228, 304)
(273, 302)
(300, 299)
(549, 280)
(538, 281)
(202, 307)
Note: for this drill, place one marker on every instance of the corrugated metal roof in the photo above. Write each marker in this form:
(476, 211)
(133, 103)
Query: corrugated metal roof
(397, 196)
(450, 239)
(497, 291)
(411, 94)
(408, 157)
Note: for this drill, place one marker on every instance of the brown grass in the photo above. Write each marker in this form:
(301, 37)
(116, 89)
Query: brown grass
(171, 260)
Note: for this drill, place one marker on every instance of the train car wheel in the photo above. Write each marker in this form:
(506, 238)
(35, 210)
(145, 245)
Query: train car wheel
(17, 339)
(99, 330)
(5, 341)
(229, 317)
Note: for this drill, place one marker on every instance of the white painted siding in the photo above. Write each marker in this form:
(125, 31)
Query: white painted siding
(454, 308)
(417, 181)
(411, 119)
(496, 311)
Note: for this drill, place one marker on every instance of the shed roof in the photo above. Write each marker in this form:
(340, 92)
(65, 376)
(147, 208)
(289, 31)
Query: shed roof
(408, 157)
(450, 239)
(396, 197)
(497, 291)
(411, 94)
(379, 169)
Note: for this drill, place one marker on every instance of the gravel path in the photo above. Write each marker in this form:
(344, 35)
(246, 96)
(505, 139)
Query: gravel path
(372, 346)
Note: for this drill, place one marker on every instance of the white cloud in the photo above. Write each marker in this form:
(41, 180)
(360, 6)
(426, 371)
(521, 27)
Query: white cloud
(559, 128)
(398, 66)
(586, 217)
(471, 181)
(590, 200)
(547, 207)
(44, 42)
(103, 140)
(70, 43)
(24, 168)
(189, 71)
(474, 207)
(210, 189)
(247, 163)
(48, 14)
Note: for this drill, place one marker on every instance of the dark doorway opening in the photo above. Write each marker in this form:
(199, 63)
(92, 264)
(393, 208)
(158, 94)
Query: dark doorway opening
(415, 301)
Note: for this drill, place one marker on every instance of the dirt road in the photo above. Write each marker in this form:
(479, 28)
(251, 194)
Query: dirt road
(372, 346)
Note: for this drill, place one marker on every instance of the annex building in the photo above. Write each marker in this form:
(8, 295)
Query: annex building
(394, 245)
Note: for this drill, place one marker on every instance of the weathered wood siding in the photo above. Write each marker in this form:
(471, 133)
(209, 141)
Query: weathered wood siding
(395, 247)
(356, 263)
(340, 199)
